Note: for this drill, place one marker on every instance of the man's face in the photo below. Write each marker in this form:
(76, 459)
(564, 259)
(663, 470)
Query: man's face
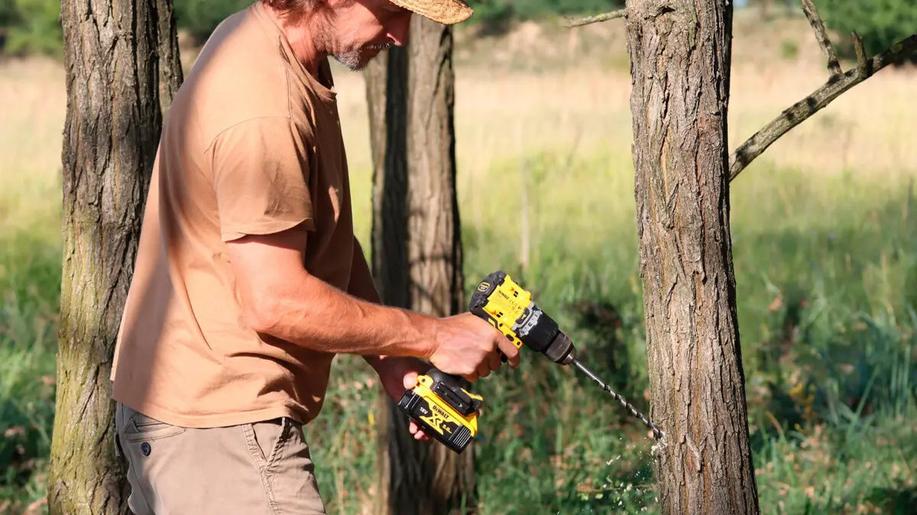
(360, 29)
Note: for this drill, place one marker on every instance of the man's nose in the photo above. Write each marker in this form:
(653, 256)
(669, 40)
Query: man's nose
(399, 31)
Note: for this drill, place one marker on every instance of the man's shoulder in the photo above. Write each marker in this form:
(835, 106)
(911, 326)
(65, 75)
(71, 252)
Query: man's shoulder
(238, 76)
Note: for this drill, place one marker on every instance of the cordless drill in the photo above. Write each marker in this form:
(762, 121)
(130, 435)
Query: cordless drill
(444, 405)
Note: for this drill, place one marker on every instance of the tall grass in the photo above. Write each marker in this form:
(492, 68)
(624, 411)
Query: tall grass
(825, 247)
(32, 104)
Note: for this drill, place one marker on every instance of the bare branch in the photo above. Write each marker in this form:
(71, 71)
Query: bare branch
(620, 13)
(821, 35)
(860, 52)
(800, 111)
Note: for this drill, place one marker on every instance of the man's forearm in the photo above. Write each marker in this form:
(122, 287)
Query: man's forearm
(280, 298)
(314, 314)
(363, 287)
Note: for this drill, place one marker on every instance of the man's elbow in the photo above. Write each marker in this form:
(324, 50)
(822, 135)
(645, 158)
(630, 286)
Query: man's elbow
(261, 313)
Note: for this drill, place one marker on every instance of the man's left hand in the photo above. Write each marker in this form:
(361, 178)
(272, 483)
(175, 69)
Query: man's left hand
(399, 374)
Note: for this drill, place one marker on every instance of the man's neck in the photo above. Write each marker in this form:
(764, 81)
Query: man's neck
(303, 35)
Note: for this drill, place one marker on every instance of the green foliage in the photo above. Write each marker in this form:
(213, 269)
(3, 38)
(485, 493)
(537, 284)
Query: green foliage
(200, 17)
(496, 15)
(879, 22)
(30, 27)
(29, 279)
(7, 12)
(33, 26)
(528, 9)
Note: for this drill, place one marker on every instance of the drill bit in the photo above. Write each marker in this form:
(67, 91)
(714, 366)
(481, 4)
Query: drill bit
(657, 433)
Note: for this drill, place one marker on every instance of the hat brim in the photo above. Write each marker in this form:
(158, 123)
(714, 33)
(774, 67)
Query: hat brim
(447, 12)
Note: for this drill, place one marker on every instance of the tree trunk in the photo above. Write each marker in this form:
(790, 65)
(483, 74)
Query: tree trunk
(171, 74)
(680, 57)
(110, 137)
(417, 258)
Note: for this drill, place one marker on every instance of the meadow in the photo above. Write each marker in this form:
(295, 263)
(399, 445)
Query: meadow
(824, 228)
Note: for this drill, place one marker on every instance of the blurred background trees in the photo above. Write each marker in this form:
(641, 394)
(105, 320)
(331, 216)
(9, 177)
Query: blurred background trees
(30, 26)
(879, 22)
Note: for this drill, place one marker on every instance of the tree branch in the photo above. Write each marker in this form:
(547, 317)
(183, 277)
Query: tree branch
(620, 13)
(800, 111)
(860, 52)
(821, 35)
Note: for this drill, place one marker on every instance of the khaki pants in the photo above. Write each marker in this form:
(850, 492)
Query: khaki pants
(260, 468)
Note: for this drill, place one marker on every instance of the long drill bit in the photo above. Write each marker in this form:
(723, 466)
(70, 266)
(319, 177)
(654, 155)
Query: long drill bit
(657, 433)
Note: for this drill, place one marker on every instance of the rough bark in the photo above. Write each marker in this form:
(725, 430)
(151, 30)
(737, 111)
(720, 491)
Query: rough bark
(110, 137)
(386, 90)
(417, 259)
(171, 74)
(680, 56)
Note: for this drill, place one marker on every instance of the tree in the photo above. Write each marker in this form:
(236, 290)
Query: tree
(170, 70)
(680, 54)
(417, 256)
(110, 138)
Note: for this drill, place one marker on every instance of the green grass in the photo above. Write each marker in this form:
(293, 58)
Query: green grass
(826, 273)
(29, 279)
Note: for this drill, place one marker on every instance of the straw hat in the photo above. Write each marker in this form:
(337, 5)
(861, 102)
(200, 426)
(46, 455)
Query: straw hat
(446, 12)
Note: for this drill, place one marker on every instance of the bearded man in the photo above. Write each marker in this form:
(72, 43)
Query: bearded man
(248, 277)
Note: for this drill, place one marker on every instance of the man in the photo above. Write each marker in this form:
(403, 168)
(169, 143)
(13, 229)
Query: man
(248, 278)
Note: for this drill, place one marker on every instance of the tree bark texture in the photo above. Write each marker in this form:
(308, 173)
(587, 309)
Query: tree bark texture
(417, 256)
(680, 57)
(171, 74)
(110, 138)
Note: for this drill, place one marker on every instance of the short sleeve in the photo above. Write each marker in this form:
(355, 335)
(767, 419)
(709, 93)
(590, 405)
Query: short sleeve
(261, 178)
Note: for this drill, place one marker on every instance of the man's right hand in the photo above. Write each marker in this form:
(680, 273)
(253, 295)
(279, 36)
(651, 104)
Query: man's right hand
(467, 346)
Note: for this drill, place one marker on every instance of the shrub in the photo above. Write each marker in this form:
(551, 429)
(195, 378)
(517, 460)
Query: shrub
(879, 22)
(30, 26)
(496, 14)
(200, 17)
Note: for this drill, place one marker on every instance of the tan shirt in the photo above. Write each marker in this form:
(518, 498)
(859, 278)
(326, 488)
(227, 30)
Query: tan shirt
(252, 146)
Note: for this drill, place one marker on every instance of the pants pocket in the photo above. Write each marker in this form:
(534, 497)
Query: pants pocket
(266, 438)
(140, 427)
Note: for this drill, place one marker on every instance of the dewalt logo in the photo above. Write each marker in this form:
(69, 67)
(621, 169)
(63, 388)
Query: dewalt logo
(437, 418)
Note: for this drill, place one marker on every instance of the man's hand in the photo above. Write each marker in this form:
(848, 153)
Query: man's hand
(399, 375)
(467, 346)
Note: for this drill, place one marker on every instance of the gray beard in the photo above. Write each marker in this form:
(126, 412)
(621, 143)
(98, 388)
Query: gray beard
(352, 59)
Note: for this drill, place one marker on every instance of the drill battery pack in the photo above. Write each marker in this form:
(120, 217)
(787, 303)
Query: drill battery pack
(444, 406)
